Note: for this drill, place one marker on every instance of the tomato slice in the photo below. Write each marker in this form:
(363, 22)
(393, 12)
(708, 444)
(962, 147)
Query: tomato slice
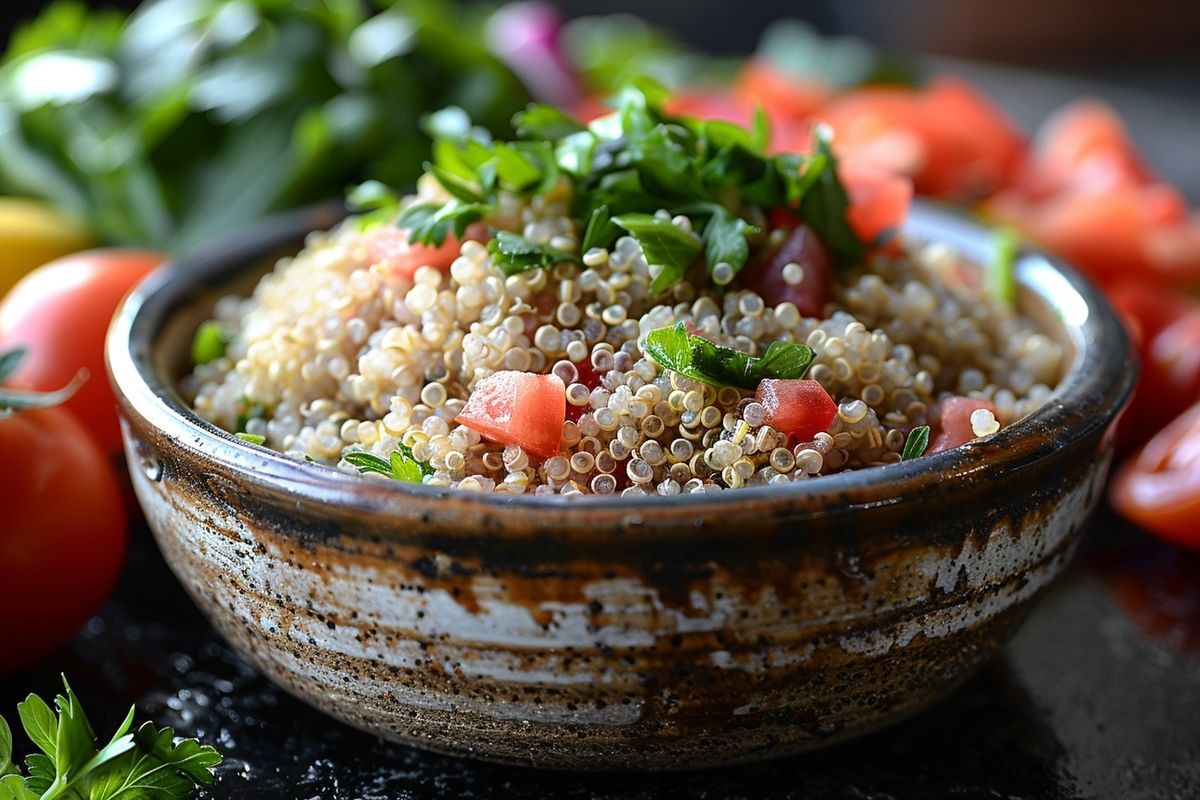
(521, 408)
(389, 245)
(879, 199)
(810, 295)
(800, 408)
(1159, 487)
(954, 427)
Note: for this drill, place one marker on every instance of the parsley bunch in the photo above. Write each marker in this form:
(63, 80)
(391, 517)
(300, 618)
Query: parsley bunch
(146, 764)
(623, 168)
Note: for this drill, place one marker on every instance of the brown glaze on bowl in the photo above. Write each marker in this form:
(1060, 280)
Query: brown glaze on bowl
(656, 633)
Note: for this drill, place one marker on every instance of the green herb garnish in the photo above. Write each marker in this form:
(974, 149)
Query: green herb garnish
(916, 444)
(400, 465)
(252, 438)
(142, 763)
(12, 400)
(1000, 274)
(514, 254)
(675, 349)
(632, 163)
(211, 341)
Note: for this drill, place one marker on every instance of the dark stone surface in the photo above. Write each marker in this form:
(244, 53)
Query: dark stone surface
(1097, 696)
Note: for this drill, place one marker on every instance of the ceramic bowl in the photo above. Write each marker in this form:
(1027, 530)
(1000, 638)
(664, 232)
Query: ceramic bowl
(651, 633)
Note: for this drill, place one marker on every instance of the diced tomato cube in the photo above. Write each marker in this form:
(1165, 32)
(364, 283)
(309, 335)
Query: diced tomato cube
(954, 428)
(1083, 145)
(389, 245)
(879, 199)
(810, 295)
(799, 408)
(521, 408)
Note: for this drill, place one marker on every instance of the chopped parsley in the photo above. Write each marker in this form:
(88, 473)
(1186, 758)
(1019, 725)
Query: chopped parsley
(1000, 274)
(399, 466)
(251, 438)
(622, 169)
(916, 444)
(211, 341)
(513, 253)
(675, 349)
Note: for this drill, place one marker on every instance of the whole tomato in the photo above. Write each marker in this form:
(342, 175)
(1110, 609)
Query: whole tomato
(62, 531)
(59, 313)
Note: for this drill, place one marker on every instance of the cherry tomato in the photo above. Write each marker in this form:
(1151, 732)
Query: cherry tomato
(954, 426)
(1166, 327)
(879, 199)
(811, 292)
(60, 314)
(800, 408)
(1159, 487)
(62, 540)
(520, 408)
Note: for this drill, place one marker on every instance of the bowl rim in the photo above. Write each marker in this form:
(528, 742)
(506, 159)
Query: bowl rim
(1089, 397)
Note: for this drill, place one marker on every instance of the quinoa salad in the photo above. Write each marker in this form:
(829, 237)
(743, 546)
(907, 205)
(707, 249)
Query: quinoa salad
(643, 304)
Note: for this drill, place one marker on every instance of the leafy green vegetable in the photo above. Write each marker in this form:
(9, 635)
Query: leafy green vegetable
(431, 224)
(1000, 276)
(252, 438)
(400, 465)
(146, 764)
(12, 400)
(514, 254)
(210, 342)
(916, 444)
(664, 243)
(189, 119)
(696, 357)
(627, 166)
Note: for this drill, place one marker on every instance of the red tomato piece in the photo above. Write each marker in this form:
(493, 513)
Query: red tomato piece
(799, 408)
(62, 540)
(954, 427)
(1159, 488)
(789, 99)
(1083, 145)
(389, 245)
(60, 313)
(521, 408)
(1166, 329)
(879, 199)
(810, 295)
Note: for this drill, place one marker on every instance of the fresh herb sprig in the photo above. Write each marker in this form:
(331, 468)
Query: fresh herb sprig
(401, 465)
(675, 349)
(146, 762)
(626, 166)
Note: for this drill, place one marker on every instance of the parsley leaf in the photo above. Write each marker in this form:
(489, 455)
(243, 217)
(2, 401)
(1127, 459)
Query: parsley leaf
(541, 121)
(514, 254)
(725, 239)
(147, 763)
(824, 202)
(251, 438)
(664, 243)
(428, 223)
(675, 349)
(401, 465)
(916, 444)
(600, 231)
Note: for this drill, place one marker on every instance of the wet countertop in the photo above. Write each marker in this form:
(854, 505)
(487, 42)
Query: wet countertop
(1098, 696)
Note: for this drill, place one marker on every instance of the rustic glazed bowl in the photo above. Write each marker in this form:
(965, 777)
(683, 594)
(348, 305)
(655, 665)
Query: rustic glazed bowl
(655, 633)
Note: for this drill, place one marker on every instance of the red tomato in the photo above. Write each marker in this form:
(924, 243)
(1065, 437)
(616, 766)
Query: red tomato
(812, 292)
(1159, 488)
(710, 103)
(954, 427)
(62, 540)
(389, 245)
(60, 313)
(879, 199)
(1166, 328)
(786, 98)
(799, 408)
(1083, 145)
(520, 408)
(950, 139)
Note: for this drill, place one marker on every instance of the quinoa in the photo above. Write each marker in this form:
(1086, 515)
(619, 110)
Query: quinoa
(337, 352)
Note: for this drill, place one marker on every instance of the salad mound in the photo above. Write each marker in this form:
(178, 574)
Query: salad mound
(647, 303)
